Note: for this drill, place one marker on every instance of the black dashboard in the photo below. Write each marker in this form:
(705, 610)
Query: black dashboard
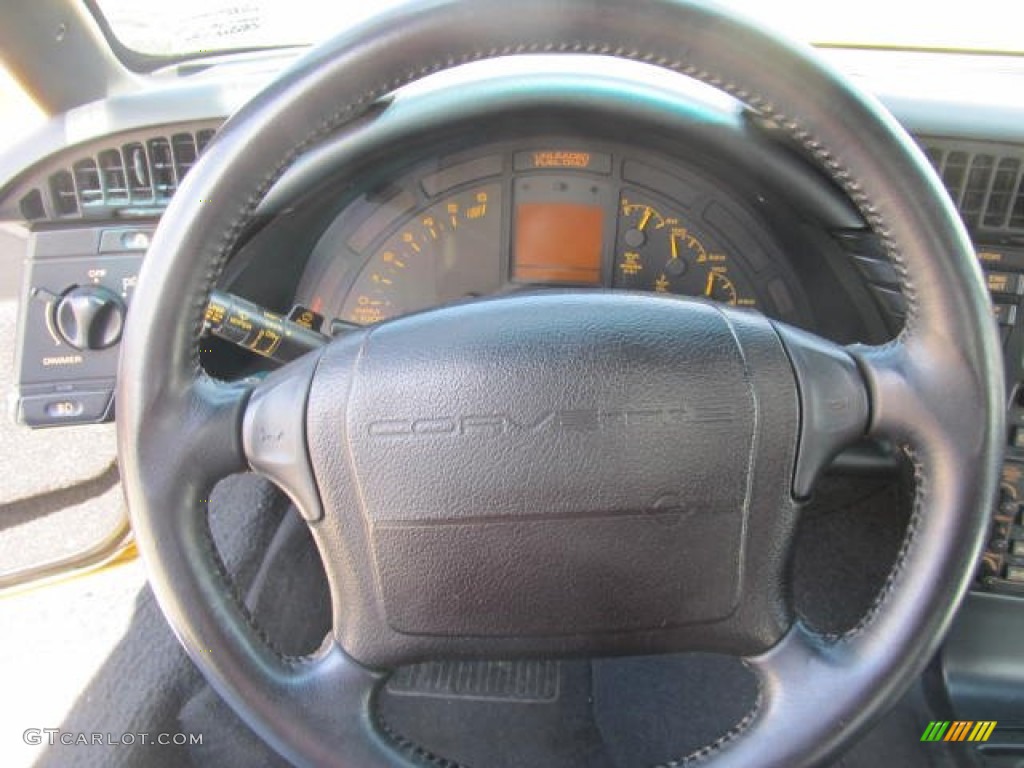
(576, 186)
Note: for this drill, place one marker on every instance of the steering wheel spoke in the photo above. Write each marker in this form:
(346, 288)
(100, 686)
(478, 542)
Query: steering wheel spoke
(806, 684)
(274, 434)
(193, 434)
(834, 402)
(330, 696)
(923, 391)
(804, 687)
(211, 430)
(219, 428)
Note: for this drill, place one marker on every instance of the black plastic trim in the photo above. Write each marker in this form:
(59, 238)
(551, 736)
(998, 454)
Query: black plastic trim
(983, 659)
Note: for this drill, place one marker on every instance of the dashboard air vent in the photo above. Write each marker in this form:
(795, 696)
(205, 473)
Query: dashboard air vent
(142, 173)
(183, 148)
(87, 183)
(113, 177)
(140, 187)
(984, 180)
(165, 181)
(62, 189)
(203, 138)
(1007, 201)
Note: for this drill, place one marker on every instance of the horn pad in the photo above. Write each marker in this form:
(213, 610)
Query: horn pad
(550, 467)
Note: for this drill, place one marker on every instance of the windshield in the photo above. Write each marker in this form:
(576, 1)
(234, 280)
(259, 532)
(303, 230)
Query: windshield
(189, 27)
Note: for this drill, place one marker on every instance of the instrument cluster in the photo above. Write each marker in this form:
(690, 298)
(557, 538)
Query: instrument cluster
(548, 214)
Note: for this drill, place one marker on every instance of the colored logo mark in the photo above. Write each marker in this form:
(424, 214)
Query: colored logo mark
(958, 730)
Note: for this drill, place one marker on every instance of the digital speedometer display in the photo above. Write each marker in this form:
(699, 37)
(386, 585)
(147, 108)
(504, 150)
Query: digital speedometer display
(558, 243)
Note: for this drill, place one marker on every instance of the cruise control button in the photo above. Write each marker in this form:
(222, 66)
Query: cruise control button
(1005, 282)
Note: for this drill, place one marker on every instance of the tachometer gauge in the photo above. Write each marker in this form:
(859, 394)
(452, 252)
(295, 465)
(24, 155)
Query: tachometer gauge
(449, 251)
(657, 250)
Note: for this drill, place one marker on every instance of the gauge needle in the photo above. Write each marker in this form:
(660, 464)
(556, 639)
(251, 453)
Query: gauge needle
(644, 220)
(710, 285)
(675, 247)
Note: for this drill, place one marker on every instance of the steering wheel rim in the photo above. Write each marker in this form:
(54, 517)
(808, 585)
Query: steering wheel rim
(937, 388)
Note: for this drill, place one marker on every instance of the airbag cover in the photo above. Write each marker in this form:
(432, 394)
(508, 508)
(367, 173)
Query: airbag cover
(547, 464)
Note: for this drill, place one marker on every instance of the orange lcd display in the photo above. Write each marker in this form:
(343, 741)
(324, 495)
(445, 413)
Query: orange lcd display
(558, 243)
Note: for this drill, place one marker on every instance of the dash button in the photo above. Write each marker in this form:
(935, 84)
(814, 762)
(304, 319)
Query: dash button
(64, 409)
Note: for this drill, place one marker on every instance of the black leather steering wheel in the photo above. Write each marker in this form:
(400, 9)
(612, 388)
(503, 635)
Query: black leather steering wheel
(446, 461)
